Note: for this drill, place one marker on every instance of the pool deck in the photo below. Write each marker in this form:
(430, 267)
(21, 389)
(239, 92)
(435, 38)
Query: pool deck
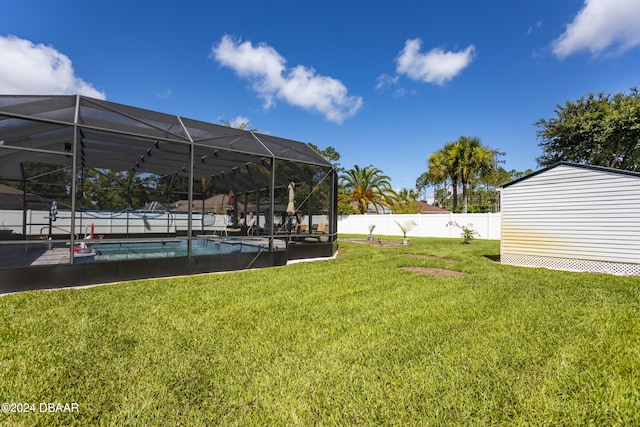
(57, 256)
(53, 256)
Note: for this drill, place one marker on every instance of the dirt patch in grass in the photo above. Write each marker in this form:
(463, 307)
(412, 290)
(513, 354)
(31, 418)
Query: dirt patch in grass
(431, 257)
(434, 271)
(375, 242)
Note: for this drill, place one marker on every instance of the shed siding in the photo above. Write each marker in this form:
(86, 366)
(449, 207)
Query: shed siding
(571, 212)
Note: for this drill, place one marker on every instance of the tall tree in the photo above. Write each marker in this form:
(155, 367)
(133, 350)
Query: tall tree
(462, 161)
(473, 160)
(330, 154)
(110, 189)
(405, 201)
(443, 166)
(422, 183)
(600, 129)
(48, 180)
(367, 186)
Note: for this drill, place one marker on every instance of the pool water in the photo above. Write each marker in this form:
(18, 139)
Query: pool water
(165, 249)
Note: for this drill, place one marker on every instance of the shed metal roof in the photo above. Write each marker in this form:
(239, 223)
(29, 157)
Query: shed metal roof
(576, 165)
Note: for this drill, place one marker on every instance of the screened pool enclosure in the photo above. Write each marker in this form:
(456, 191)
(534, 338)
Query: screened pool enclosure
(93, 191)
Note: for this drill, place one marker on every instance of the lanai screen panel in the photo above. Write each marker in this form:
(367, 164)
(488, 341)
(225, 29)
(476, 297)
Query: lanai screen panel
(284, 149)
(122, 137)
(130, 120)
(34, 129)
(53, 108)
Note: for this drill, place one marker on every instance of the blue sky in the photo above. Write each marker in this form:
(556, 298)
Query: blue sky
(384, 83)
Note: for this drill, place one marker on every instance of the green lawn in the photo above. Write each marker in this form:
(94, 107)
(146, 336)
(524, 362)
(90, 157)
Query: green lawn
(355, 340)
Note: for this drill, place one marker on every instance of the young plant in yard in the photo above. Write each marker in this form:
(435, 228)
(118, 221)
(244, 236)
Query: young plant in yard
(371, 228)
(405, 229)
(468, 233)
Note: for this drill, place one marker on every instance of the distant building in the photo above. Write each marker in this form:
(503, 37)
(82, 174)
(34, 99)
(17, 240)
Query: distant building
(426, 208)
(13, 199)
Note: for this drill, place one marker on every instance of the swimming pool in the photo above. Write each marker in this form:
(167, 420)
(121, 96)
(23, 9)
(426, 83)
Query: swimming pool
(117, 251)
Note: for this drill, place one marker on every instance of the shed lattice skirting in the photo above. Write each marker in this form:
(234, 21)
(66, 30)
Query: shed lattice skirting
(581, 265)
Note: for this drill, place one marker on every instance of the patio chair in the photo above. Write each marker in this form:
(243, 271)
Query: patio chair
(252, 229)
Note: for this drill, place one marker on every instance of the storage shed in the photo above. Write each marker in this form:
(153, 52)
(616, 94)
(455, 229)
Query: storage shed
(573, 217)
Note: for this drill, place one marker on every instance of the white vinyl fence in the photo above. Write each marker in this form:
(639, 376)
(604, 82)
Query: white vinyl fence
(105, 222)
(119, 222)
(487, 225)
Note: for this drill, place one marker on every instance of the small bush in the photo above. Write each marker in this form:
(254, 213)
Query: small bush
(468, 233)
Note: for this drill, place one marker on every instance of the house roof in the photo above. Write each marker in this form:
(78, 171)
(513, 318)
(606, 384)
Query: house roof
(12, 198)
(576, 165)
(219, 202)
(5, 189)
(426, 208)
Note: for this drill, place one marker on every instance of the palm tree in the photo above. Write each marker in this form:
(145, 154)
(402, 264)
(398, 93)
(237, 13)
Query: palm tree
(367, 186)
(443, 165)
(404, 202)
(236, 125)
(473, 160)
(461, 161)
(407, 195)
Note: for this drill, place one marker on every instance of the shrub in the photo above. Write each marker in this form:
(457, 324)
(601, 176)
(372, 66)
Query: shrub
(468, 233)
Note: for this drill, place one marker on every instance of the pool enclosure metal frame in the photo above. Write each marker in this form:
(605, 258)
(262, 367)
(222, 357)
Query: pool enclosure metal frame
(74, 131)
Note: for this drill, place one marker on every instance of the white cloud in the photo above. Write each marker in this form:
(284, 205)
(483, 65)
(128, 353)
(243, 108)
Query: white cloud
(27, 68)
(401, 92)
(164, 95)
(299, 86)
(385, 81)
(535, 27)
(435, 66)
(601, 24)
